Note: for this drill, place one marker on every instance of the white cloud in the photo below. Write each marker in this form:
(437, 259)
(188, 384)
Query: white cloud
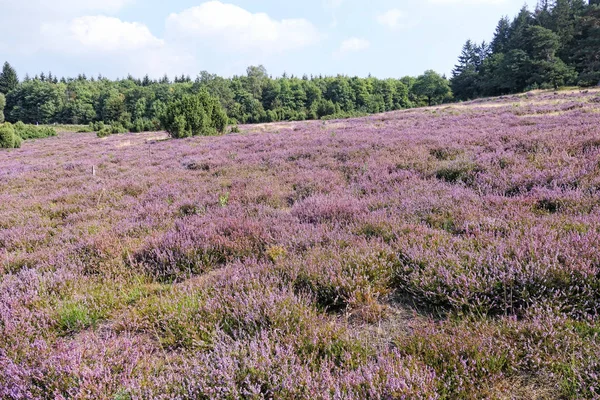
(391, 18)
(232, 28)
(98, 34)
(354, 45)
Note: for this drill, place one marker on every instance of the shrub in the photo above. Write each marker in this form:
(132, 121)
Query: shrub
(138, 125)
(118, 128)
(96, 126)
(33, 132)
(145, 125)
(104, 132)
(46, 131)
(193, 115)
(8, 138)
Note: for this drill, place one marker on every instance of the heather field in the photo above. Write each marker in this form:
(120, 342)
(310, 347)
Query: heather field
(450, 252)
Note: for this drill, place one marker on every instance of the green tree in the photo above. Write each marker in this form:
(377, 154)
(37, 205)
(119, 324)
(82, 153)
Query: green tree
(546, 67)
(465, 80)
(586, 54)
(501, 36)
(192, 115)
(140, 109)
(8, 79)
(36, 102)
(256, 79)
(433, 87)
(113, 106)
(518, 30)
(512, 73)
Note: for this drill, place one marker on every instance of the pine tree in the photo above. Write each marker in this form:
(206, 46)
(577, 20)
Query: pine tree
(586, 53)
(8, 79)
(466, 58)
(518, 30)
(501, 36)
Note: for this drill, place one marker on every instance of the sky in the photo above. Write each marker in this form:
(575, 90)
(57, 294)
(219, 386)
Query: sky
(384, 38)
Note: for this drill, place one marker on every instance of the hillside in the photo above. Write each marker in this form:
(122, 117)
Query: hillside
(445, 252)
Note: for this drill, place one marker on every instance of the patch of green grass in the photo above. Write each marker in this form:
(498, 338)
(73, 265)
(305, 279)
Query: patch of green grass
(74, 317)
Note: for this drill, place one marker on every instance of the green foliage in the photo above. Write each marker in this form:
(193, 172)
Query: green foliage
(74, 317)
(35, 102)
(104, 132)
(193, 115)
(557, 45)
(2, 105)
(8, 137)
(11, 136)
(433, 87)
(140, 105)
(118, 128)
(97, 126)
(26, 132)
(8, 79)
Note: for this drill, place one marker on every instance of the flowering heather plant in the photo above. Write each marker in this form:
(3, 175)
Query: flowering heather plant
(442, 253)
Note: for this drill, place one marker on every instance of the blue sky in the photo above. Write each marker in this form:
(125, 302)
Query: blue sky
(387, 38)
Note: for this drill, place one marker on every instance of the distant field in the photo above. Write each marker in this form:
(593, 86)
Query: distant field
(450, 252)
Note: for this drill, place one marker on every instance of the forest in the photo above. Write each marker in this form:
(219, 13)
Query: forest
(558, 44)
(137, 104)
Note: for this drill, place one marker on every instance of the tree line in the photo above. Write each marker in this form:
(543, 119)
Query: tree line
(555, 45)
(139, 104)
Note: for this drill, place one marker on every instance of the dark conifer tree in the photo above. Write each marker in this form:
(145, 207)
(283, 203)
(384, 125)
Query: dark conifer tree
(8, 79)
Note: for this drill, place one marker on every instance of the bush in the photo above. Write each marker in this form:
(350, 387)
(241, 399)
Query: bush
(118, 128)
(8, 138)
(145, 125)
(193, 115)
(97, 126)
(33, 132)
(104, 132)
(138, 125)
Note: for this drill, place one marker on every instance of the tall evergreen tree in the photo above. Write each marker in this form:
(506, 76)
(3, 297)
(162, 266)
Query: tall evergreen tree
(501, 36)
(518, 29)
(546, 67)
(465, 76)
(8, 79)
(586, 54)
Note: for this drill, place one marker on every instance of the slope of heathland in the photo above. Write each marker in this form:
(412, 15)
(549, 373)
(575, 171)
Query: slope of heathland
(449, 252)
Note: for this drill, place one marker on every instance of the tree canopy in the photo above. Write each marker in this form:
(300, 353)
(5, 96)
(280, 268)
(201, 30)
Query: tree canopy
(193, 115)
(557, 44)
(433, 87)
(8, 79)
(137, 104)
